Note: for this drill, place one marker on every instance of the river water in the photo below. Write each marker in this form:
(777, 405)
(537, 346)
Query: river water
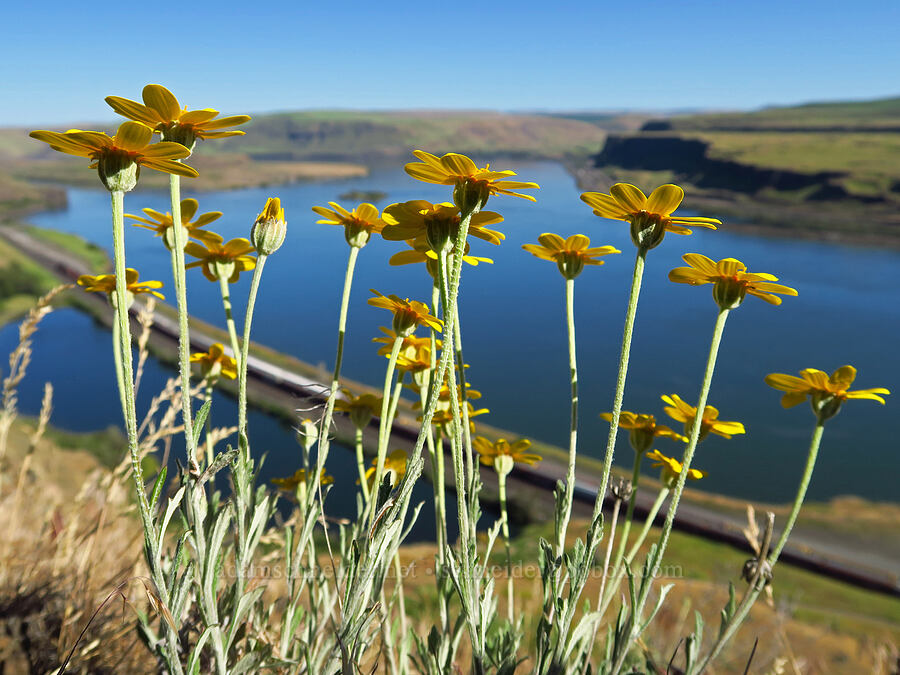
(514, 333)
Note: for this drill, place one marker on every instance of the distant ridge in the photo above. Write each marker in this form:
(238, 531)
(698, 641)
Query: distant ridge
(880, 115)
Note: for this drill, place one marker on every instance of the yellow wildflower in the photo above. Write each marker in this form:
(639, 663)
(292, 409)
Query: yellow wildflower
(270, 228)
(650, 217)
(161, 223)
(472, 186)
(680, 411)
(671, 468)
(407, 313)
(106, 283)
(162, 113)
(437, 223)
(570, 255)
(488, 452)
(826, 393)
(731, 280)
(291, 483)
(221, 260)
(643, 429)
(420, 251)
(394, 467)
(359, 224)
(118, 159)
(360, 408)
(215, 362)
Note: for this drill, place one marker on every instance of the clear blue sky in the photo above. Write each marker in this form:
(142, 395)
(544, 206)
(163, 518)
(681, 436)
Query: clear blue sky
(57, 63)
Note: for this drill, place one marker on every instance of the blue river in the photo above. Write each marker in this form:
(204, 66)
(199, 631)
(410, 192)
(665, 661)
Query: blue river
(512, 317)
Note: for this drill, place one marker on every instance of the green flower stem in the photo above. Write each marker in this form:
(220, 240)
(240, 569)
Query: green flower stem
(361, 465)
(244, 463)
(151, 548)
(686, 465)
(184, 336)
(208, 392)
(633, 551)
(403, 647)
(606, 571)
(811, 456)
(436, 450)
(384, 428)
(229, 320)
(464, 408)
(753, 592)
(324, 430)
(573, 423)
(117, 357)
(245, 353)
(629, 515)
(504, 525)
(456, 438)
(620, 378)
(395, 401)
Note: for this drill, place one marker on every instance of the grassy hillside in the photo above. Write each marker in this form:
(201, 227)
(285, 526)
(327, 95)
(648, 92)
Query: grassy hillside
(850, 115)
(351, 135)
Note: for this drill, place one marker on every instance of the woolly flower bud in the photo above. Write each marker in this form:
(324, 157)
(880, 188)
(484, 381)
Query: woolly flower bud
(270, 228)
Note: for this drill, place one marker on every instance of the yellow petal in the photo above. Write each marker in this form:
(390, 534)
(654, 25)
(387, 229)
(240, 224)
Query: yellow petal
(604, 205)
(701, 262)
(784, 382)
(458, 165)
(166, 150)
(729, 267)
(198, 116)
(552, 241)
(134, 110)
(162, 101)
(665, 199)
(132, 136)
(688, 275)
(427, 174)
(223, 122)
(843, 376)
(629, 197)
(170, 166)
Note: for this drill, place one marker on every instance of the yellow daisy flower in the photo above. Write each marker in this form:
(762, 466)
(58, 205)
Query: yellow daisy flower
(361, 409)
(162, 113)
(106, 283)
(826, 393)
(359, 224)
(118, 158)
(407, 313)
(216, 362)
(216, 259)
(420, 252)
(438, 224)
(488, 452)
(472, 185)
(643, 429)
(731, 280)
(291, 483)
(394, 466)
(671, 468)
(570, 255)
(650, 217)
(161, 223)
(680, 411)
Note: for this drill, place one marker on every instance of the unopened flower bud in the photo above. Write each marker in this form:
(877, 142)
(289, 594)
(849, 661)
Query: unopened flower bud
(752, 568)
(270, 228)
(622, 489)
(307, 434)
